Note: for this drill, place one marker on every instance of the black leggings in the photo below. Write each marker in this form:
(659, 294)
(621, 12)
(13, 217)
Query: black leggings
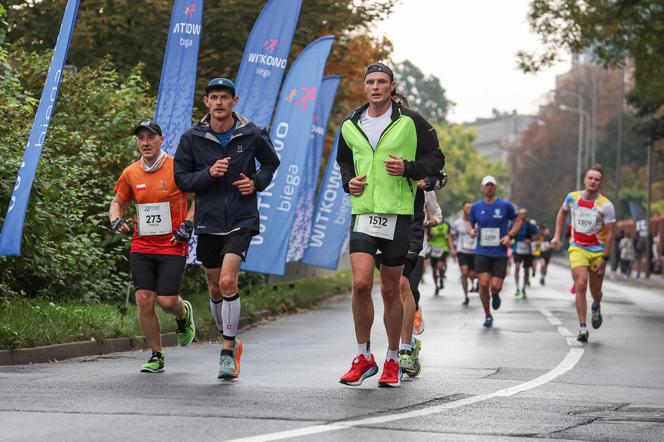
(415, 278)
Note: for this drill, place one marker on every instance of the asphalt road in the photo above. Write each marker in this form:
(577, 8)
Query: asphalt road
(522, 379)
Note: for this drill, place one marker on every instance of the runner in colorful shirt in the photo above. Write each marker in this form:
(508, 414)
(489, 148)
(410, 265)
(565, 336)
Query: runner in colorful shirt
(159, 244)
(465, 249)
(593, 223)
(488, 221)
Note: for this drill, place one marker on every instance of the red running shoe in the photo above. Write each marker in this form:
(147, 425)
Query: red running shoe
(391, 376)
(573, 290)
(359, 371)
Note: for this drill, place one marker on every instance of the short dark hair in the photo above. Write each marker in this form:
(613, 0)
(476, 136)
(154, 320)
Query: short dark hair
(597, 168)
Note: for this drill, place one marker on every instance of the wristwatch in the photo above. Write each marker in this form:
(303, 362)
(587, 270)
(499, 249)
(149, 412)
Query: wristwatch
(606, 257)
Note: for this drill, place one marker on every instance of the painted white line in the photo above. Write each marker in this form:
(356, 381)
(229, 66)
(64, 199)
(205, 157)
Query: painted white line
(554, 321)
(543, 310)
(566, 365)
(572, 342)
(564, 332)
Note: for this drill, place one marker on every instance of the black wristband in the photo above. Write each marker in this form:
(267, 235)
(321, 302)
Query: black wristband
(606, 257)
(117, 223)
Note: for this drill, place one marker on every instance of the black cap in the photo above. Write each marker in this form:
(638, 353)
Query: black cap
(149, 125)
(379, 67)
(220, 83)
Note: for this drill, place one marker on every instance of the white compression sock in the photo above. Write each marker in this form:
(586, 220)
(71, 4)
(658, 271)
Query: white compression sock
(230, 312)
(215, 308)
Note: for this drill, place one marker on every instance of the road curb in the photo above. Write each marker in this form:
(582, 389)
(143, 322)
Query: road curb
(60, 352)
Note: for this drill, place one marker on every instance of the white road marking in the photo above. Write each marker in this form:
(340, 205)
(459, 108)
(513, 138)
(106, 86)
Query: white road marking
(564, 332)
(567, 364)
(572, 342)
(554, 321)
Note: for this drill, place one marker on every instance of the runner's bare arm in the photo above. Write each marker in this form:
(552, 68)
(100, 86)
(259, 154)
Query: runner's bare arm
(560, 223)
(116, 212)
(610, 235)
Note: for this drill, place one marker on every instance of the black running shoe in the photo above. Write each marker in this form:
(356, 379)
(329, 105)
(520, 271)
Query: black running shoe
(495, 301)
(596, 316)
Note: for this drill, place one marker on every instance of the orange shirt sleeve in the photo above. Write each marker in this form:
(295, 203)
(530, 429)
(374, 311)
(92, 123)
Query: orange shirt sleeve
(123, 188)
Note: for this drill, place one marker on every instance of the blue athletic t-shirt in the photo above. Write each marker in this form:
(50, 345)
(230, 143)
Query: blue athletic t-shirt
(527, 231)
(224, 137)
(491, 221)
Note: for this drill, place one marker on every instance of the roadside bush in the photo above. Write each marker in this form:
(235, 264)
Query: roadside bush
(67, 249)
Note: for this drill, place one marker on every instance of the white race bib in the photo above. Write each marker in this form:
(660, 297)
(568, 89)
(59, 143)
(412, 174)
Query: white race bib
(522, 248)
(469, 243)
(436, 252)
(490, 236)
(546, 246)
(584, 220)
(154, 219)
(380, 226)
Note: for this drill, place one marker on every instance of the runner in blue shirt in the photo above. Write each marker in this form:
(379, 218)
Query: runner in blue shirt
(523, 253)
(488, 221)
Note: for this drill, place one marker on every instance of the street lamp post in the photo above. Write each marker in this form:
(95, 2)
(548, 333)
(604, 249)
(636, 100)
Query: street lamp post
(579, 153)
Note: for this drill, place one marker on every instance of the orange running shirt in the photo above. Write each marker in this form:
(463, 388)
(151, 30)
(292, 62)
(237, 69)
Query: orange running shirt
(136, 185)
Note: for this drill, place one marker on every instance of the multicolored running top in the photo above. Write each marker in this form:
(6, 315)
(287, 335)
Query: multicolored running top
(589, 218)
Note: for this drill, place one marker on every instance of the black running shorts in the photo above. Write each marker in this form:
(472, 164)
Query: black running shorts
(496, 265)
(211, 249)
(466, 259)
(546, 256)
(161, 274)
(408, 265)
(393, 251)
(526, 259)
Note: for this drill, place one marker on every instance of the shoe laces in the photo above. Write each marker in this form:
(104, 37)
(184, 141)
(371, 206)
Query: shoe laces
(182, 325)
(156, 357)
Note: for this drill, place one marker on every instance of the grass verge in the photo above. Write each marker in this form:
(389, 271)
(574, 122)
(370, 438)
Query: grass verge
(25, 324)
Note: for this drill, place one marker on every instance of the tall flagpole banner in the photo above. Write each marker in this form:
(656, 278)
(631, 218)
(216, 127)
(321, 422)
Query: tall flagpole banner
(305, 203)
(290, 135)
(12, 229)
(264, 61)
(175, 99)
(331, 220)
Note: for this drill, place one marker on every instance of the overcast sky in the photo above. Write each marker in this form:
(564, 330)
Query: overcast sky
(471, 46)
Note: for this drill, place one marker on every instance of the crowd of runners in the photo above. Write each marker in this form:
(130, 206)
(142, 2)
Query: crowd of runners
(391, 165)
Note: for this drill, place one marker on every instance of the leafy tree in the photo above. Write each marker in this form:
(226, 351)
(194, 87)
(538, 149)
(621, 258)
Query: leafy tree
(423, 92)
(544, 165)
(614, 30)
(133, 32)
(465, 167)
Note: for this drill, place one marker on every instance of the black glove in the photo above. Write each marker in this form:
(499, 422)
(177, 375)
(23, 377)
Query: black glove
(117, 223)
(183, 233)
(435, 182)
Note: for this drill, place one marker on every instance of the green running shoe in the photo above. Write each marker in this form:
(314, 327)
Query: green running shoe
(186, 328)
(406, 361)
(155, 364)
(416, 344)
